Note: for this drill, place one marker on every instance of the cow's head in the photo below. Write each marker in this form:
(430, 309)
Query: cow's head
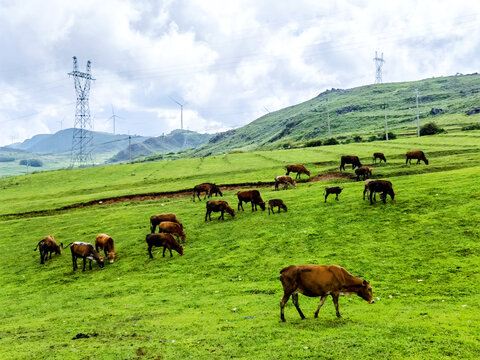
(231, 211)
(179, 249)
(425, 160)
(100, 262)
(111, 255)
(284, 207)
(295, 183)
(262, 205)
(366, 292)
(58, 249)
(307, 172)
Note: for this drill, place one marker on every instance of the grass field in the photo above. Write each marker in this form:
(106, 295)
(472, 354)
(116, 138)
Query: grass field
(420, 252)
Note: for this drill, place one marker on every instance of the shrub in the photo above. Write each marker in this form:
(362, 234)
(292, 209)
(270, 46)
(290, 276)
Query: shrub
(286, 145)
(6, 159)
(357, 138)
(331, 141)
(31, 162)
(430, 129)
(391, 136)
(313, 143)
(471, 127)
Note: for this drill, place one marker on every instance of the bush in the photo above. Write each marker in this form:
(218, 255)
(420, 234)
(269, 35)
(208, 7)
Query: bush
(331, 141)
(430, 129)
(31, 162)
(313, 143)
(286, 145)
(471, 127)
(6, 159)
(373, 138)
(391, 136)
(357, 138)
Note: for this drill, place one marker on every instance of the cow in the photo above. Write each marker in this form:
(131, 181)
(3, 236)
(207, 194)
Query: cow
(285, 180)
(48, 246)
(218, 206)
(321, 280)
(157, 219)
(276, 202)
(85, 251)
(380, 156)
(252, 196)
(380, 186)
(419, 155)
(165, 240)
(350, 159)
(333, 190)
(105, 242)
(296, 168)
(364, 171)
(172, 228)
(209, 190)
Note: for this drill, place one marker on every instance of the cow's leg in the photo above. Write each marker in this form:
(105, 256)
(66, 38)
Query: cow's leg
(42, 257)
(90, 264)
(150, 251)
(206, 214)
(278, 209)
(84, 263)
(371, 195)
(322, 300)
(284, 300)
(336, 197)
(326, 196)
(295, 302)
(164, 251)
(171, 255)
(335, 302)
(74, 262)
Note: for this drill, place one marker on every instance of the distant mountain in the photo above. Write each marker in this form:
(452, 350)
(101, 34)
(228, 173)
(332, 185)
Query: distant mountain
(177, 140)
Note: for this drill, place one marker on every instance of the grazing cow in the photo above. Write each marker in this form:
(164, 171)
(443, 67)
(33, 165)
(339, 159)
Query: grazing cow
(105, 243)
(321, 280)
(172, 228)
(299, 169)
(157, 219)
(379, 156)
(364, 171)
(349, 159)
(218, 206)
(276, 202)
(209, 190)
(419, 155)
(285, 180)
(380, 186)
(85, 251)
(333, 190)
(252, 196)
(165, 240)
(47, 246)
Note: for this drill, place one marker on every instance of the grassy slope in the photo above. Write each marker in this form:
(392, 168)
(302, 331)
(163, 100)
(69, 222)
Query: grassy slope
(139, 306)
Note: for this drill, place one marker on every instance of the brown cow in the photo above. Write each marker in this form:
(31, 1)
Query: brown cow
(379, 156)
(85, 251)
(47, 246)
(285, 180)
(381, 186)
(172, 228)
(218, 206)
(157, 219)
(105, 243)
(276, 202)
(296, 168)
(364, 171)
(208, 188)
(165, 240)
(419, 155)
(350, 159)
(321, 280)
(333, 190)
(252, 196)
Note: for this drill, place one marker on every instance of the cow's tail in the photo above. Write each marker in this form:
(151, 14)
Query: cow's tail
(64, 247)
(37, 245)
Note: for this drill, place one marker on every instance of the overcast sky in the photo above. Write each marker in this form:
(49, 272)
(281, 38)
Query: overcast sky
(229, 61)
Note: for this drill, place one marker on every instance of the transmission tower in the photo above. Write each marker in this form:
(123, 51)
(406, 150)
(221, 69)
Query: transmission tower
(378, 67)
(82, 136)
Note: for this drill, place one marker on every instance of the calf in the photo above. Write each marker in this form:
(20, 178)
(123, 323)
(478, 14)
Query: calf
(321, 280)
(349, 159)
(276, 202)
(47, 246)
(332, 190)
(105, 243)
(252, 196)
(380, 186)
(296, 168)
(165, 240)
(208, 188)
(366, 190)
(380, 156)
(218, 206)
(172, 228)
(157, 219)
(364, 171)
(84, 251)
(419, 155)
(285, 181)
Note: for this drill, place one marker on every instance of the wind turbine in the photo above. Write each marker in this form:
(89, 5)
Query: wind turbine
(181, 111)
(113, 117)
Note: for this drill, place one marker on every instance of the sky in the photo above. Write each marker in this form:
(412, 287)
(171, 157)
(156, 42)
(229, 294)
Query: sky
(228, 62)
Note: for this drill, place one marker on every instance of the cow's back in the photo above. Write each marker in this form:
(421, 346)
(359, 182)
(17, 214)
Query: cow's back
(317, 280)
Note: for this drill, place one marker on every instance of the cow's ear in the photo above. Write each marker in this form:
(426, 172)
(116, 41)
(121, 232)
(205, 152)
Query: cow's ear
(365, 282)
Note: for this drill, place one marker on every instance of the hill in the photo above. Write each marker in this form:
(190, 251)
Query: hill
(358, 111)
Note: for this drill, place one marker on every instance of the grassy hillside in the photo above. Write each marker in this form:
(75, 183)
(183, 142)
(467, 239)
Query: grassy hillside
(358, 111)
(221, 299)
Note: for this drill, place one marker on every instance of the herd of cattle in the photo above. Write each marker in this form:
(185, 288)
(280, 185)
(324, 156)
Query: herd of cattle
(309, 280)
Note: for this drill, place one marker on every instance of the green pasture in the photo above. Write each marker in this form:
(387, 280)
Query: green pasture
(221, 299)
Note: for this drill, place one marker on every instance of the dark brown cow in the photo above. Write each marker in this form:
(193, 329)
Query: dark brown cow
(285, 180)
(208, 188)
(364, 171)
(157, 219)
(350, 159)
(296, 168)
(333, 190)
(278, 203)
(381, 186)
(172, 228)
(165, 240)
(379, 156)
(105, 242)
(419, 155)
(218, 206)
(321, 280)
(48, 246)
(85, 251)
(252, 196)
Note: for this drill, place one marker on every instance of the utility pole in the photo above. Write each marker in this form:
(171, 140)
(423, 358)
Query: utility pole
(386, 124)
(130, 148)
(328, 120)
(418, 118)
(378, 68)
